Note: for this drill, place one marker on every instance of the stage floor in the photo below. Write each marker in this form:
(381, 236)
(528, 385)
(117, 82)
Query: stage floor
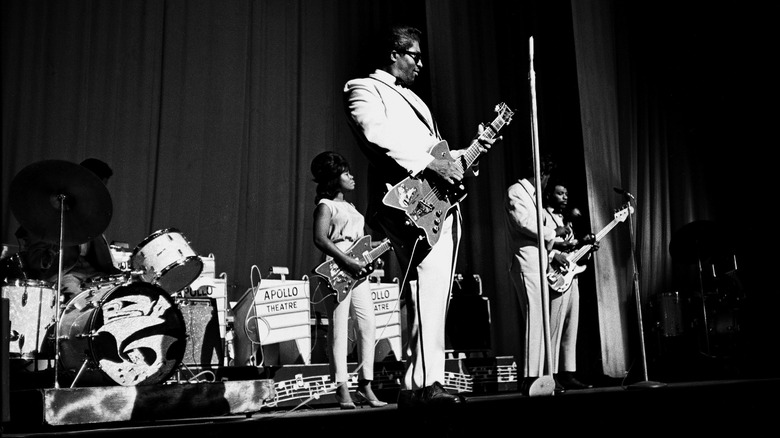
(719, 408)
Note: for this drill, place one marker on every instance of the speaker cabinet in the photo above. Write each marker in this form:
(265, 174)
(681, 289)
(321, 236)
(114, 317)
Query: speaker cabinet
(204, 344)
(468, 324)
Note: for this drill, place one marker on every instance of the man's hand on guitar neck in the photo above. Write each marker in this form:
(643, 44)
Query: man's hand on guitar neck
(451, 170)
(485, 143)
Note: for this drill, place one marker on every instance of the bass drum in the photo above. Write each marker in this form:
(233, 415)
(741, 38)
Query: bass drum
(127, 334)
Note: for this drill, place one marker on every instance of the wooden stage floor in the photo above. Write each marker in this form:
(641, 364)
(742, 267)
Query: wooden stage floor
(706, 408)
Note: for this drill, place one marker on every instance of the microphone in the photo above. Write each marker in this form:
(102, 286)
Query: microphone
(623, 192)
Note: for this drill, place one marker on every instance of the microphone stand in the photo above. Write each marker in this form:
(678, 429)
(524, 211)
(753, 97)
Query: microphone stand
(646, 383)
(545, 383)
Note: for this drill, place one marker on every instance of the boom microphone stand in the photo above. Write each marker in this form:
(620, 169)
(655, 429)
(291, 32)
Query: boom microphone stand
(645, 383)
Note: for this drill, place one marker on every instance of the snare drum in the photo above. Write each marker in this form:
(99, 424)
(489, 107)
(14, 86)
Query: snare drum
(32, 313)
(167, 260)
(132, 334)
(98, 284)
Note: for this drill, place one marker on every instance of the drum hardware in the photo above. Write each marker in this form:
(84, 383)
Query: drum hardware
(80, 373)
(60, 202)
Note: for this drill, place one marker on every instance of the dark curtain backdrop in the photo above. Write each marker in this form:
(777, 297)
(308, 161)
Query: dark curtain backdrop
(210, 111)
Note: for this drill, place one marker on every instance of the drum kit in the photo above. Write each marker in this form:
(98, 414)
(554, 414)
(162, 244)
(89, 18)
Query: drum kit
(123, 329)
(714, 291)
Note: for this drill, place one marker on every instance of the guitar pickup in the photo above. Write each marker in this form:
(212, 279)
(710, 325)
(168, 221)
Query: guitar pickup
(422, 209)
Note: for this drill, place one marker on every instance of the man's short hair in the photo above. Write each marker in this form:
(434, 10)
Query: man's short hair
(98, 167)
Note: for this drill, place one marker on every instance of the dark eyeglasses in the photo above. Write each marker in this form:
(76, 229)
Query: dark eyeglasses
(416, 56)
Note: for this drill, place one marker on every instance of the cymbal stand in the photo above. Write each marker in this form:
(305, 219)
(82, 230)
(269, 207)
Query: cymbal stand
(705, 323)
(61, 199)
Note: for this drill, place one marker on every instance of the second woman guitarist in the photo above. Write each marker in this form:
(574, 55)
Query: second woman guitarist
(337, 225)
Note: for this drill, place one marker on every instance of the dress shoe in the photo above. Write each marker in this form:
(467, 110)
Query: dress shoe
(568, 381)
(558, 387)
(437, 394)
(363, 399)
(525, 385)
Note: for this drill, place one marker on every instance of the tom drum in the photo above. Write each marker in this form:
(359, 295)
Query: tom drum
(32, 308)
(166, 259)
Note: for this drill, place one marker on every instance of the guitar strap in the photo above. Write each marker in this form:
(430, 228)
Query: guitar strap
(434, 129)
(554, 217)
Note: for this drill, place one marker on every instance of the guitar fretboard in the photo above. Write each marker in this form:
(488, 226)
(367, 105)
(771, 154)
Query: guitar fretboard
(383, 247)
(619, 217)
(473, 151)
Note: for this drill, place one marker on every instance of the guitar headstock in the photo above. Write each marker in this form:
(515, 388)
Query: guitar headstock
(623, 213)
(504, 112)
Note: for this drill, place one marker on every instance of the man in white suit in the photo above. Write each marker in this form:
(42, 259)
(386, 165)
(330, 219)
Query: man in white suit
(522, 223)
(396, 131)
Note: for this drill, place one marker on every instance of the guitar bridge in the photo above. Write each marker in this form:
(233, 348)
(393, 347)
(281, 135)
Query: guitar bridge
(422, 209)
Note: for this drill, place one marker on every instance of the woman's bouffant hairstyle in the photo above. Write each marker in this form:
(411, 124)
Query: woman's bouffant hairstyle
(327, 168)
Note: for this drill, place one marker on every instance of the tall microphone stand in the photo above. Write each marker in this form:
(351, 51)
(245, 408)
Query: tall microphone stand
(545, 383)
(646, 383)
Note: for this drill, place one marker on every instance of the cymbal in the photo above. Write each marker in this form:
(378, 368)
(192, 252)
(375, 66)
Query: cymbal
(39, 191)
(698, 241)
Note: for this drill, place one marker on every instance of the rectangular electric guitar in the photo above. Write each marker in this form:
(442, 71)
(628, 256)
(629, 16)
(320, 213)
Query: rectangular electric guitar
(560, 279)
(342, 282)
(426, 201)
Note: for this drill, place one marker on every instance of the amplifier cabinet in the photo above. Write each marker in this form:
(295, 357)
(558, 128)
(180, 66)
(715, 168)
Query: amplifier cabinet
(204, 344)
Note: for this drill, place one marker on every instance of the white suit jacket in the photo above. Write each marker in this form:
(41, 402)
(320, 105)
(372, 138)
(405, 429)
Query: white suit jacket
(522, 223)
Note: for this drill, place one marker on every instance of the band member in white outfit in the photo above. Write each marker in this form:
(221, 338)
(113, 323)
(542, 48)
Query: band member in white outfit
(565, 306)
(337, 226)
(396, 131)
(522, 224)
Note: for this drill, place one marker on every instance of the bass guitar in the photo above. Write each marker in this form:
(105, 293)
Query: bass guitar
(560, 279)
(426, 201)
(342, 282)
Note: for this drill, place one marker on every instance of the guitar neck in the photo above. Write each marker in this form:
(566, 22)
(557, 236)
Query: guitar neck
(580, 253)
(606, 229)
(474, 151)
(585, 249)
(374, 254)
